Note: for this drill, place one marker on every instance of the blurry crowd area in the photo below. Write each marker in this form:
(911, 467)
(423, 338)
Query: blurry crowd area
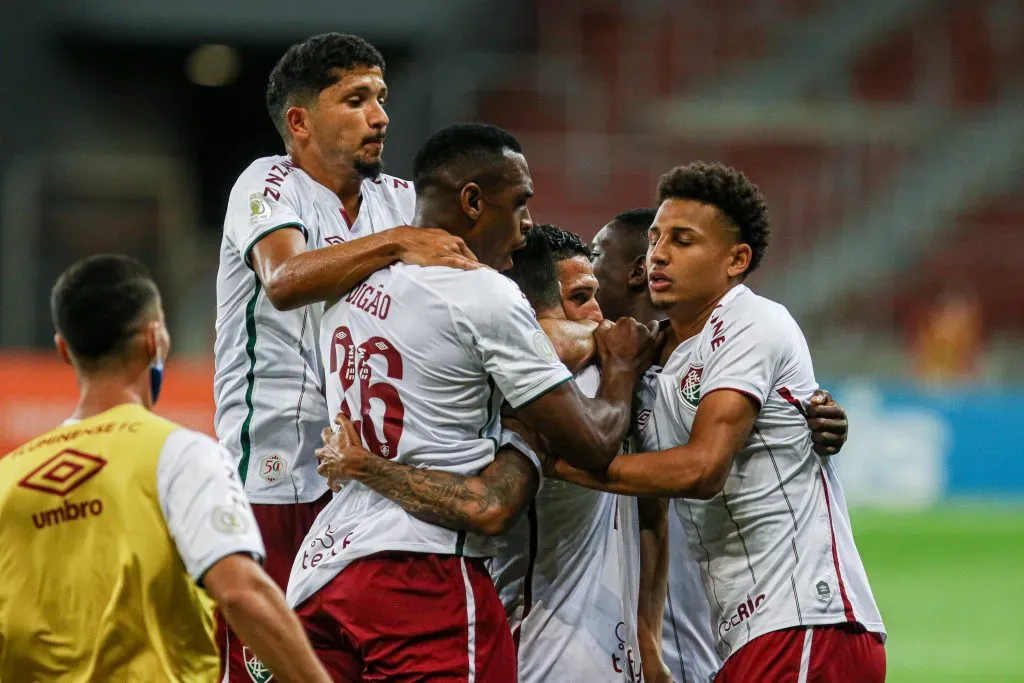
(887, 136)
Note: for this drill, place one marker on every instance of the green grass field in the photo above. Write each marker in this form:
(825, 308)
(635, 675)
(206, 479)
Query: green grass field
(950, 585)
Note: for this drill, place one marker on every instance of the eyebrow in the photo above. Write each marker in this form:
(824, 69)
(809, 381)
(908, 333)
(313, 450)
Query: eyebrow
(365, 90)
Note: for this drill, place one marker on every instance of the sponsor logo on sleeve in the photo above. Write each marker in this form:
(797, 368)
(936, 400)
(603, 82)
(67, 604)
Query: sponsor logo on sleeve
(258, 671)
(543, 346)
(229, 520)
(642, 418)
(259, 209)
(273, 468)
(689, 385)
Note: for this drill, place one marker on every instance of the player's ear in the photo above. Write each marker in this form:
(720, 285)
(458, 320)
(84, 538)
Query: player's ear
(637, 277)
(297, 121)
(62, 348)
(471, 201)
(740, 261)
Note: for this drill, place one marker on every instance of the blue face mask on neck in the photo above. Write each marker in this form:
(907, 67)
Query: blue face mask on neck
(156, 378)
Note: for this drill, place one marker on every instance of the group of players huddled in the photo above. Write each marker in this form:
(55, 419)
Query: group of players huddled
(443, 435)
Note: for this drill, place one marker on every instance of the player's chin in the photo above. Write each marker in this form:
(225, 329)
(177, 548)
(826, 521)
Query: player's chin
(369, 167)
(662, 300)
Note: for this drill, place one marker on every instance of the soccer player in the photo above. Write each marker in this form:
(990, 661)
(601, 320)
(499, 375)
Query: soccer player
(118, 527)
(764, 515)
(303, 228)
(420, 360)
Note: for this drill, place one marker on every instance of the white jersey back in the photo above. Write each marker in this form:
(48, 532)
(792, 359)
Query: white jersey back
(421, 359)
(775, 548)
(569, 576)
(268, 382)
(687, 643)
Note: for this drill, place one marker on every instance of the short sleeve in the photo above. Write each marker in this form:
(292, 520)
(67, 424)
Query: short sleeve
(510, 439)
(497, 323)
(255, 210)
(203, 503)
(742, 351)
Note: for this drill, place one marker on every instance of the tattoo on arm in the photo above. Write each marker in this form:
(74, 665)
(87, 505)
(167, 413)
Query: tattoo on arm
(484, 504)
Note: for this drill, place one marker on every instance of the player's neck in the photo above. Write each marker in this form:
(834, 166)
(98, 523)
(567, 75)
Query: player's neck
(345, 182)
(100, 393)
(640, 308)
(688, 318)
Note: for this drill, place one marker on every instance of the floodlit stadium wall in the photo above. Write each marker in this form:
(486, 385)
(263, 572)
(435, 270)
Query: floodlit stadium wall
(908, 447)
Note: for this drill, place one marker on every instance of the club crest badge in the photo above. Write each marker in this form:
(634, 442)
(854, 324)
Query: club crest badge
(689, 385)
(258, 671)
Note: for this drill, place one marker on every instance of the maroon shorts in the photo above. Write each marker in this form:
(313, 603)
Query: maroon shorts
(411, 617)
(283, 528)
(840, 653)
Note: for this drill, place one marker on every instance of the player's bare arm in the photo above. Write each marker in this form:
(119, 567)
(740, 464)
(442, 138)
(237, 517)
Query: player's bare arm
(255, 608)
(653, 518)
(293, 276)
(573, 340)
(698, 469)
(485, 504)
(588, 433)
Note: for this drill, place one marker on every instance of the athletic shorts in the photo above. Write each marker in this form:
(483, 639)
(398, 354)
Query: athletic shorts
(408, 617)
(839, 653)
(283, 528)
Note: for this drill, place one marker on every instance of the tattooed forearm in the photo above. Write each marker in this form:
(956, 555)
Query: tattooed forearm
(485, 504)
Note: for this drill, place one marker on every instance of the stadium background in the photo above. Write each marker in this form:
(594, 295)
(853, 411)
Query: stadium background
(886, 134)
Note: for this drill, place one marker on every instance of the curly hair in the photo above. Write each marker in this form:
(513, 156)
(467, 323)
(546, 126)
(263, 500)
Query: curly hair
(475, 148)
(731, 192)
(563, 243)
(309, 67)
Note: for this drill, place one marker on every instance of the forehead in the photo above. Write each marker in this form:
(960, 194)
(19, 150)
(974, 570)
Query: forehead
(515, 174)
(576, 271)
(358, 76)
(678, 213)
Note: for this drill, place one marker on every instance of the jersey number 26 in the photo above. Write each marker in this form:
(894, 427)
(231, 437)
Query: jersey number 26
(355, 366)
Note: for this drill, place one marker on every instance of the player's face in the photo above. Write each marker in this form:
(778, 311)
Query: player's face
(504, 219)
(579, 289)
(348, 124)
(612, 272)
(693, 254)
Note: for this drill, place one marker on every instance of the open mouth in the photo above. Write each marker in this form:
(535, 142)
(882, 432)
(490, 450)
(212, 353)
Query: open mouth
(658, 282)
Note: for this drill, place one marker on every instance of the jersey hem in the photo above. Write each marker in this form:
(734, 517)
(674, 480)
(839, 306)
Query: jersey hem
(255, 498)
(823, 620)
(531, 394)
(743, 387)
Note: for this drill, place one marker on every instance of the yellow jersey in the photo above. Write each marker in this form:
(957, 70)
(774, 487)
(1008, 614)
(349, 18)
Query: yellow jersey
(106, 527)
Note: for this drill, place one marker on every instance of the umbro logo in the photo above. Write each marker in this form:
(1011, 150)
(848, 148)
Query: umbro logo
(63, 473)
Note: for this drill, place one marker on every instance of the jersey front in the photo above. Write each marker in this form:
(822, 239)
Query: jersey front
(569, 577)
(421, 359)
(268, 382)
(106, 527)
(775, 547)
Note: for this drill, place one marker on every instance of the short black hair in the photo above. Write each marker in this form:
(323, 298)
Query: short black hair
(731, 192)
(97, 302)
(563, 244)
(472, 149)
(307, 68)
(533, 269)
(638, 222)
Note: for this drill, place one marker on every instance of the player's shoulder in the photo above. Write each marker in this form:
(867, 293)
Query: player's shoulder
(469, 291)
(183, 442)
(400, 194)
(268, 176)
(742, 307)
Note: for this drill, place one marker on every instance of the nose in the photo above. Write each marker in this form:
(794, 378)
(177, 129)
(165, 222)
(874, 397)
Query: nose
(378, 118)
(526, 224)
(657, 253)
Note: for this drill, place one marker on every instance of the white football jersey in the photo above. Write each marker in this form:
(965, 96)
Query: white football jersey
(775, 548)
(268, 381)
(569, 576)
(421, 360)
(687, 644)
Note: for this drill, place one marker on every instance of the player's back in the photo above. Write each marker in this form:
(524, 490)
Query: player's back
(268, 380)
(568, 575)
(421, 359)
(93, 585)
(777, 545)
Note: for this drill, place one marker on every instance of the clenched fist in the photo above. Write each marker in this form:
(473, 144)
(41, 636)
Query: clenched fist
(342, 453)
(626, 344)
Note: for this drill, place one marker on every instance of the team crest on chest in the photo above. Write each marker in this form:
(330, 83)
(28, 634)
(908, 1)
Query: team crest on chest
(689, 385)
